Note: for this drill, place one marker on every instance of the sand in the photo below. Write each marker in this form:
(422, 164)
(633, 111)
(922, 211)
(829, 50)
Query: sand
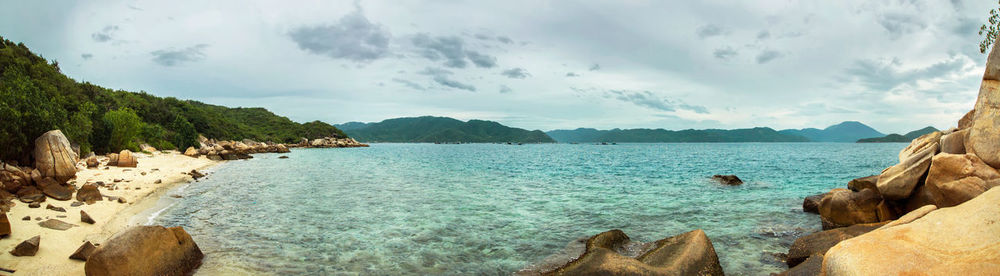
(56, 246)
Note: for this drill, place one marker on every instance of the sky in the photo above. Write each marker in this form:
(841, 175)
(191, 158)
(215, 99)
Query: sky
(896, 65)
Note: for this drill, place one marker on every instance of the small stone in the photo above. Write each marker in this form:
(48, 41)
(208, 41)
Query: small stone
(121, 200)
(728, 179)
(83, 252)
(176, 196)
(34, 205)
(143, 173)
(26, 218)
(283, 157)
(75, 204)
(28, 247)
(117, 180)
(61, 216)
(112, 198)
(84, 217)
(54, 208)
(157, 181)
(56, 224)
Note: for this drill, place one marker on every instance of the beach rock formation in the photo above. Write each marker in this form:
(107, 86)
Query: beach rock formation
(54, 157)
(897, 182)
(163, 251)
(690, 253)
(810, 267)
(818, 243)
(147, 148)
(126, 159)
(957, 178)
(954, 142)
(56, 224)
(83, 252)
(30, 194)
(92, 162)
(842, 207)
(728, 179)
(960, 240)
(28, 247)
(982, 138)
(811, 203)
(332, 142)
(191, 152)
(13, 178)
(89, 194)
(868, 182)
(53, 189)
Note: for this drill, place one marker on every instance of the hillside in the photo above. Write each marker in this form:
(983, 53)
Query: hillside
(35, 96)
(896, 138)
(428, 129)
(847, 132)
(759, 134)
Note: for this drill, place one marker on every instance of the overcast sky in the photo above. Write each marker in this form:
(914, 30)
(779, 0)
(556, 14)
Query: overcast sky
(897, 65)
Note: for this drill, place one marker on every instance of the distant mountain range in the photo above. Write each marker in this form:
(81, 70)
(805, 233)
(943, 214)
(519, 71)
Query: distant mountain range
(896, 138)
(642, 135)
(849, 131)
(428, 129)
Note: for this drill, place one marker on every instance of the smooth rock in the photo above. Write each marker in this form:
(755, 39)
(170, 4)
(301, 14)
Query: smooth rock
(957, 178)
(29, 194)
(810, 267)
(92, 162)
(919, 146)
(76, 203)
(897, 182)
(83, 252)
(55, 190)
(820, 242)
(4, 225)
(26, 218)
(728, 179)
(811, 203)
(191, 152)
(954, 143)
(842, 207)
(28, 247)
(163, 251)
(54, 157)
(56, 224)
(911, 216)
(127, 159)
(868, 182)
(983, 134)
(283, 157)
(84, 217)
(89, 193)
(35, 205)
(690, 253)
(960, 240)
(112, 160)
(54, 208)
(966, 120)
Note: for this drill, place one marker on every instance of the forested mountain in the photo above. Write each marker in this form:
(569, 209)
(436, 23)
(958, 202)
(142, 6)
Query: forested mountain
(589, 135)
(849, 131)
(428, 129)
(896, 138)
(35, 97)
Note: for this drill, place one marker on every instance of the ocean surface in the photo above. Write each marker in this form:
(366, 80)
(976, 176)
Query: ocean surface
(488, 209)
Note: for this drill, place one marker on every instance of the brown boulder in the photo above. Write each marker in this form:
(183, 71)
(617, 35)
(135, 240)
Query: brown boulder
(191, 152)
(84, 217)
(89, 194)
(957, 178)
(29, 194)
(982, 138)
(966, 120)
(54, 157)
(690, 253)
(92, 162)
(841, 207)
(163, 251)
(810, 267)
(112, 159)
(83, 252)
(960, 240)
(728, 179)
(811, 203)
(55, 190)
(897, 182)
(868, 182)
(954, 142)
(820, 242)
(127, 159)
(28, 247)
(56, 224)
(4, 225)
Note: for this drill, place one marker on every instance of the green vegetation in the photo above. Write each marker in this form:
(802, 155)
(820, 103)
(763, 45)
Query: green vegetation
(990, 30)
(429, 129)
(36, 97)
(589, 135)
(896, 138)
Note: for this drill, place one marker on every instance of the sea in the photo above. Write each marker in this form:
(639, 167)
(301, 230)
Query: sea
(494, 209)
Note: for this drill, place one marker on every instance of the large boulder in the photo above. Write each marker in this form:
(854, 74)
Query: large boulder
(954, 142)
(957, 178)
(127, 159)
(146, 250)
(30, 194)
(820, 242)
(966, 120)
(842, 207)
(868, 182)
(810, 267)
(690, 253)
(54, 157)
(92, 162)
(112, 159)
(897, 182)
(985, 130)
(960, 240)
(191, 152)
(728, 179)
(811, 203)
(53, 189)
(89, 194)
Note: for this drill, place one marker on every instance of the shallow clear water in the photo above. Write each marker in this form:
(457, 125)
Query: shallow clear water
(493, 209)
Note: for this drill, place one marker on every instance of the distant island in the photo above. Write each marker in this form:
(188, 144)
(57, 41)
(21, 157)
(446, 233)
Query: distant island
(846, 132)
(429, 129)
(896, 138)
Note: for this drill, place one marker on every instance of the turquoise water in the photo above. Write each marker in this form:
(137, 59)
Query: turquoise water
(493, 209)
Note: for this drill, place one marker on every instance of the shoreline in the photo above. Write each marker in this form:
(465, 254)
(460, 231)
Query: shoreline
(136, 185)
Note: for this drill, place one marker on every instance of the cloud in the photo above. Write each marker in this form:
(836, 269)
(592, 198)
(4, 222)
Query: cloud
(571, 75)
(650, 100)
(482, 36)
(710, 30)
(767, 56)
(353, 37)
(172, 57)
(724, 53)
(764, 34)
(516, 73)
(504, 89)
(409, 84)
(442, 77)
(86, 56)
(898, 24)
(595, 67)
(105, 34)
(505, 40)
(886, 75)
(452, 50)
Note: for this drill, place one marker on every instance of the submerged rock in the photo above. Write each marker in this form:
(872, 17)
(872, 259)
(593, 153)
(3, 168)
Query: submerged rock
(690, 253)
(728, 179)
(146, 250)
(28, 247)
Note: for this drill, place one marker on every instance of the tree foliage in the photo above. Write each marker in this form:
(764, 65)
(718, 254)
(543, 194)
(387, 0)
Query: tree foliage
(125, 127)
(990, 31)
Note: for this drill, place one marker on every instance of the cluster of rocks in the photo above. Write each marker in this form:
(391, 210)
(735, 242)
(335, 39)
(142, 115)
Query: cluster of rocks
(934, 212)
(329, 142)
(233, 150)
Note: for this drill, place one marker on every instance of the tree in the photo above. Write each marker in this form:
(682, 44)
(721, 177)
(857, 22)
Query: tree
(80, 126)
(125, 126)
(990, 31)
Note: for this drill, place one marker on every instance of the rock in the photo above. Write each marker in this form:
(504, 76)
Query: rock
(121, 200)
(34, 205)
(214, 157)
(56, 224)
(83, 252)
(84, 217)
(897, 182)
(868, 182)
(28, 247)
(690, 253)
(163, 251)
(727, 179)
(157, 181)
(810, 267)
(76, 203)
(112, 160)
(954, 143)
(89, 194)
(191, 152)
(29, 194)
(55, 190)
(966, 120)
(147, 148)
(982, 137)
(54, 208)
(820, 242)
(960, 240)
(4, 225)
(54, 157)
(956, 178)
(911, 216)
(127, 159)
(26, 218)
(92, 162)
(283, 157)
(196, 174)
(841, 207)
(811, 203)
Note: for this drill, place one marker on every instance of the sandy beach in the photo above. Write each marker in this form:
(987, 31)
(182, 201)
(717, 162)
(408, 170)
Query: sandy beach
(136, 185)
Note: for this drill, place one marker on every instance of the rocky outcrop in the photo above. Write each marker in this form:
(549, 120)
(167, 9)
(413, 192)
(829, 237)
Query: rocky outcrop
(842, 207)
(54, 157)
(897, 182)
(956, 178)
(954, 142)
(818, 243)
(810, 267)
(868, 182)
(690, 253)
(811, 203)
(13, 178)
(728, 179)
(960, 240)
(28, 247)
(331, 142)
(146, 250)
